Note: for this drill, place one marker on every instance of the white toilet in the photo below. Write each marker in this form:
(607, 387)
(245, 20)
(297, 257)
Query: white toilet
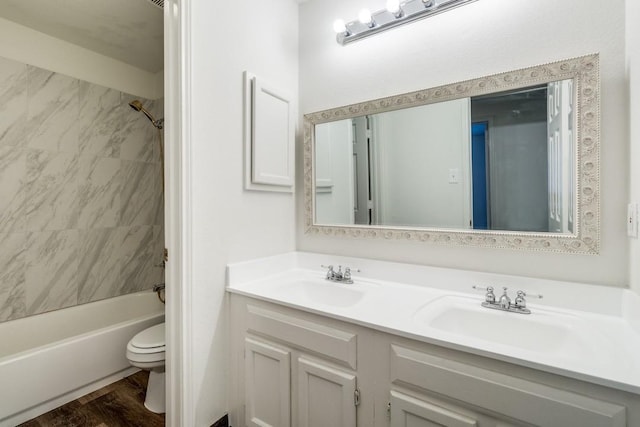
(146, 351)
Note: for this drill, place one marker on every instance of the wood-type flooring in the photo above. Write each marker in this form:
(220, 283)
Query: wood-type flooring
(120, 404)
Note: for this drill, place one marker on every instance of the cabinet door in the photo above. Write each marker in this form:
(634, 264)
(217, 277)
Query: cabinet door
(407, 411)
(267, 384)
(325, 396)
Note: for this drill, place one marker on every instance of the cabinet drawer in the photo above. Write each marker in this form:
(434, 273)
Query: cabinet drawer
(516, 398)
(304, 334)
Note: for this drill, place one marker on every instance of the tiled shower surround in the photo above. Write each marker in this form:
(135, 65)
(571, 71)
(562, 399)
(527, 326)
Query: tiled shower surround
(81, 203)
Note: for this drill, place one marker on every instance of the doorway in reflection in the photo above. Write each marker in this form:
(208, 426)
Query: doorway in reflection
(479, 177)
(514, 174)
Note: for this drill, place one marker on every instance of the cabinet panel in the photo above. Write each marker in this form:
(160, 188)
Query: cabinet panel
(407, 411)
(321, 339)
(325, 396)
(515, 398)
(267, 385)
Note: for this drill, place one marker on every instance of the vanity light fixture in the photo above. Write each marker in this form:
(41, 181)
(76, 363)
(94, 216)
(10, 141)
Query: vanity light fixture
(393, 6)
(396, 13)
(340, 28)
(365, 18)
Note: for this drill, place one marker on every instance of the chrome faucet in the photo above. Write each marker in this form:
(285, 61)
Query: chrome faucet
(519, 305)
(339, 276)
(505, 301)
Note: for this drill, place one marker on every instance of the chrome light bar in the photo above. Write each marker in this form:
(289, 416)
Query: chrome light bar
(396, 14)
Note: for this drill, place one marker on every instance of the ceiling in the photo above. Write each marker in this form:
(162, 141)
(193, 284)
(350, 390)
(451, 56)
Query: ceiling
(130, 31)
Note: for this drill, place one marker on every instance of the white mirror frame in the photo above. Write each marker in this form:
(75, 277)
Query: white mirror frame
(585, 240)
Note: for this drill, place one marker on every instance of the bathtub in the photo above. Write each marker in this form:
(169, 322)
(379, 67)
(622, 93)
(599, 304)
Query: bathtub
(52, 358)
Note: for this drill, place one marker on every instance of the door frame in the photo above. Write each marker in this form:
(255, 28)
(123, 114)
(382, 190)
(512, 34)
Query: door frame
(178, 203)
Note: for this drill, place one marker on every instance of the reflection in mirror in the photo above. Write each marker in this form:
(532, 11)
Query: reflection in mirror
(503, 161)
(510, 160)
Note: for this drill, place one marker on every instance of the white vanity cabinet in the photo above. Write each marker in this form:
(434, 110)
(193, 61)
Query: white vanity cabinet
(291, 368)
(297, 372)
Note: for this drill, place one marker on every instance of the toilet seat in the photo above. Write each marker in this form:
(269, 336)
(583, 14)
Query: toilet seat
(147, 348)
(150, 338)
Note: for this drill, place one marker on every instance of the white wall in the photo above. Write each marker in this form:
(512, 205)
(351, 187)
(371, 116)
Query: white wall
(230, 224)
(633, 79)
(481, 38)
(419, 146)
(31, 47)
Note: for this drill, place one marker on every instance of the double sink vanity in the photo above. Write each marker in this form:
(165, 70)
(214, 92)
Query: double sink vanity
(407, 345)
(507, 161)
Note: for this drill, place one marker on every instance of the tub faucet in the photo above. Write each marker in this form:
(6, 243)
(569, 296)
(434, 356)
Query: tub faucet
(159, 289)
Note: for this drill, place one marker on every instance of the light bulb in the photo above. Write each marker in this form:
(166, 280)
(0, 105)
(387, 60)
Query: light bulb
(339, 26)
(393, 6)
(365, 17)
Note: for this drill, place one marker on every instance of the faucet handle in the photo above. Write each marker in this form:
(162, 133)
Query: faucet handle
(528, 294)
(489, 297)
(348, 271)
(329, 268)
(330, 273)
(483, 288)
(520, 302)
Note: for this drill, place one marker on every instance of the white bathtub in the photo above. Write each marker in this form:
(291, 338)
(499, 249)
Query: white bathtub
(53, 358)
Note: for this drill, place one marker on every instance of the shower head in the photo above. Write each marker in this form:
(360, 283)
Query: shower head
(137, 105)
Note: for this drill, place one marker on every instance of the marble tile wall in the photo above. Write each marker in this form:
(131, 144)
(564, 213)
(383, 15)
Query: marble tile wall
(81, 200)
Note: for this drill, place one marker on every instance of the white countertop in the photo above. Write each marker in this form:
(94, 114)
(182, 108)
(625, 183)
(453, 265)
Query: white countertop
(595, 338)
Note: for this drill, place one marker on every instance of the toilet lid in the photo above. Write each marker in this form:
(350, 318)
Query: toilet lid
(150, 337)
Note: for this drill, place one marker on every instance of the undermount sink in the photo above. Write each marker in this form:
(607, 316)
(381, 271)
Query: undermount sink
(323, 292)
(540, 331)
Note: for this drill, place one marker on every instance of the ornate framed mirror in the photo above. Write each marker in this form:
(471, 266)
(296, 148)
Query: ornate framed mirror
(507, 161)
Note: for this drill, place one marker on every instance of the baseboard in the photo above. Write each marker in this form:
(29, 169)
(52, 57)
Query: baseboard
(222, 422)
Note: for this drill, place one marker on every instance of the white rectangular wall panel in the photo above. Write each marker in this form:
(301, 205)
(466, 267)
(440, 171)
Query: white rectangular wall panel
(270, 137)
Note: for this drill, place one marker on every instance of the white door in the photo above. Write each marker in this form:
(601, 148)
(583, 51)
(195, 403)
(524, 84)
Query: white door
(333, 169)
(560, 155)
(325, 395)
(267, 384)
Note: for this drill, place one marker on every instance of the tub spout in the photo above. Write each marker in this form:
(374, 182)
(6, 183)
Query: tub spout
(159, 289)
